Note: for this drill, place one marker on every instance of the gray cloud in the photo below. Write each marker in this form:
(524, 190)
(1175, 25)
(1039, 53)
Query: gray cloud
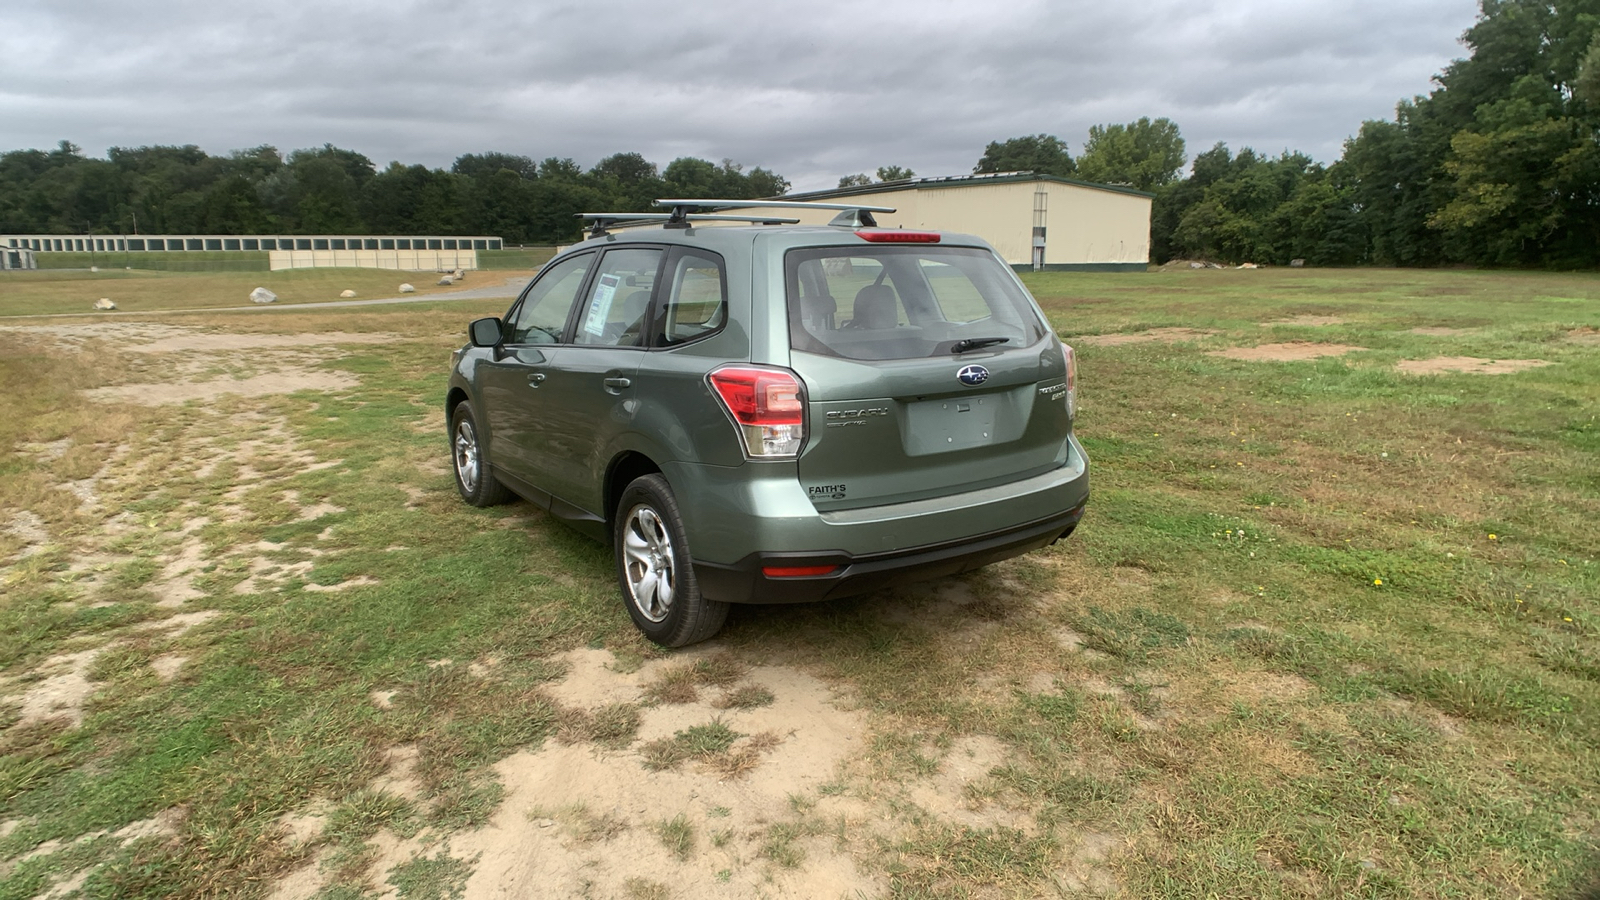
(812, 90)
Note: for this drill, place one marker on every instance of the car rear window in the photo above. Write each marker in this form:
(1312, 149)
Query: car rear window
(903, 302)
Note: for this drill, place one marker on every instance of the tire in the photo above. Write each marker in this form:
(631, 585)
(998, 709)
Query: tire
(654, 569)
(475, 481)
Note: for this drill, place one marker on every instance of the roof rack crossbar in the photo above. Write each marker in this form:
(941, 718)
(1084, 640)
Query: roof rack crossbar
(604, 221)
(769, 204)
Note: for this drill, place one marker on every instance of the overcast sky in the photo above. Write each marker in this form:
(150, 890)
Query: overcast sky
(811, 90)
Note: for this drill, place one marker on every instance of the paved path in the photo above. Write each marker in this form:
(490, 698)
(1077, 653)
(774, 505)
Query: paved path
(511, 288)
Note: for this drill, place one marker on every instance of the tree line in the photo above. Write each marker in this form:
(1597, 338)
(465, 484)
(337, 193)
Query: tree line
(330, 190)
(1499, 165)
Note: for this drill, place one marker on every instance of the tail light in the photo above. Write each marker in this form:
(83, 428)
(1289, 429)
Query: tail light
(768, 405)
(1072, 381)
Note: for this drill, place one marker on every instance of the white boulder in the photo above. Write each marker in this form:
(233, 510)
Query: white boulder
(448, 279)
(94, 268)
(104, 303)
(262, 295)
(407, 289)
(347, 294)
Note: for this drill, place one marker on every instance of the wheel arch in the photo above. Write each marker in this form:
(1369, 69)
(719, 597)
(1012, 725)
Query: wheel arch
(623, 469)
(453, 399)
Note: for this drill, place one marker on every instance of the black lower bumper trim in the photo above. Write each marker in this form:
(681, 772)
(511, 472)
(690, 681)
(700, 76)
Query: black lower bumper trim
(744, 582)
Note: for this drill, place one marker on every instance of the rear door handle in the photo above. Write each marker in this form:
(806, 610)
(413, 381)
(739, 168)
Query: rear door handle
(535, 379)
(616, 383)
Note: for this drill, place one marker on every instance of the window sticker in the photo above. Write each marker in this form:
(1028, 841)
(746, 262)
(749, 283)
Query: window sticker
(605, 290)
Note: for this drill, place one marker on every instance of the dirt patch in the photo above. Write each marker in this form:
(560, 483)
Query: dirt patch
(257, 386)
(63, 690)
(1585, 335)
(950, 794)
(1305, 320)
(347, 584)
(180, 623)
(166, 667)
(401, 777)
(27, 527)
(1151, 336)
(1467, 364)
(175, 584)
(522, 852)
(1293, 351)
(1440, 331)
(47, 452)
(1086, 866)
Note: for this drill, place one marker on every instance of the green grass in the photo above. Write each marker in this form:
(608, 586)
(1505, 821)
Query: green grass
(1282, 656)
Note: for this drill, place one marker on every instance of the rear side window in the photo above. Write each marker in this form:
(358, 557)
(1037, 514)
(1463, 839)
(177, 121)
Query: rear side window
(543, 314)
(614, 313)
(903, 302)
(697, 302)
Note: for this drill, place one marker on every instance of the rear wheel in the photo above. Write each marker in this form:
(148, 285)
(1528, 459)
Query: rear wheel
(474, 480)
(653, 568)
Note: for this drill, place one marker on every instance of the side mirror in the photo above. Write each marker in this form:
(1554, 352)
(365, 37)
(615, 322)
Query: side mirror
(485, 332)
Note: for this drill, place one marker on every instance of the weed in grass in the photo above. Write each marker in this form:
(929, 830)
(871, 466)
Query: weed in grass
(940, 860)
(781, 842)
(612, 726)
(580, 822)
(746, 696)
(365, 812)
(645, 889)
(682, 683)
(1131, 635)
(674, 685)
(698, 741)
(441, 877)
(677, 835)
(466, 801)
(741, 762)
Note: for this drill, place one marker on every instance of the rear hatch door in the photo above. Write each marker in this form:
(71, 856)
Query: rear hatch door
(928, 371)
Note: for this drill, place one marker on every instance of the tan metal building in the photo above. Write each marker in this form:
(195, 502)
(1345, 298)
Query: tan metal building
(1034, 221)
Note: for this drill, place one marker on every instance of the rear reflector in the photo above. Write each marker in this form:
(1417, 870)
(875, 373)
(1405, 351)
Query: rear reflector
(898, 236)
(797, 571)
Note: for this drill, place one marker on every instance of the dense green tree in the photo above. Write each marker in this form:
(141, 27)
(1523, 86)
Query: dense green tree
(857, 180)
(479, 165)
(894, 173)
(1144, 154)
(1042, 153)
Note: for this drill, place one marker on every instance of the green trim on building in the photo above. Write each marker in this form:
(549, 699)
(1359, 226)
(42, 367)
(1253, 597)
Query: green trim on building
(913, 184)
(1085, 267)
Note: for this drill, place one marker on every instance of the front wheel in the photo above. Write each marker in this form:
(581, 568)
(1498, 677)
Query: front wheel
(657, 579)
(474, 480)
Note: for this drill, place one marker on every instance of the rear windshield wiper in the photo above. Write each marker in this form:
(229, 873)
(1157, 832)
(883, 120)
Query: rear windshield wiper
(966, 344)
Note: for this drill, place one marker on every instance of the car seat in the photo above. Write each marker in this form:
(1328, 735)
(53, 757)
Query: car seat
(875, 308)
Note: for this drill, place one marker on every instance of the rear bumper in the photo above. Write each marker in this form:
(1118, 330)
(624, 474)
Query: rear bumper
(744, 581)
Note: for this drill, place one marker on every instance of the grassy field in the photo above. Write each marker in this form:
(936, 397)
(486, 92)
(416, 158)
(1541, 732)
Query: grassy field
(1328, 628)
(47, 292)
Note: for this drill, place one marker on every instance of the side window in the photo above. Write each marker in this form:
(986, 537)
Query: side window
(543, 313)
(698, 300)
(613, 315)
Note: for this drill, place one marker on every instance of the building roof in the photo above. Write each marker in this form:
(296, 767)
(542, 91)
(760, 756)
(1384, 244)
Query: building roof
(909, 184)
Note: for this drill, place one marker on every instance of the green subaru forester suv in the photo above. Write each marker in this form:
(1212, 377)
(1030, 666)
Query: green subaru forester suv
(773, 413)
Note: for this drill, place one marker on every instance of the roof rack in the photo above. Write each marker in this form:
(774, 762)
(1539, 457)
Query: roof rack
(604, 221)
(853, 215)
